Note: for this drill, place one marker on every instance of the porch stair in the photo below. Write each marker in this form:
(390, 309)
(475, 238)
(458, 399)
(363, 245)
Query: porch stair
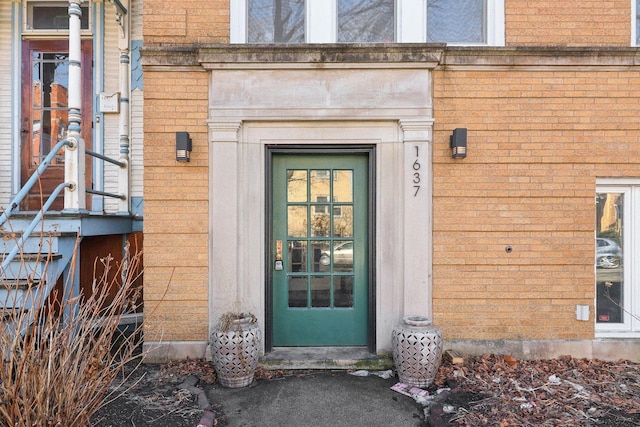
(27, 279)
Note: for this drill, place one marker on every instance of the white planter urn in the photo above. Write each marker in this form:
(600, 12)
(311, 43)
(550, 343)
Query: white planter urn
(235, 352)
(417, 350)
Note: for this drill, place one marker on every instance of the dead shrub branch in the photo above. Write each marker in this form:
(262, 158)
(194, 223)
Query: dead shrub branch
(61, 360)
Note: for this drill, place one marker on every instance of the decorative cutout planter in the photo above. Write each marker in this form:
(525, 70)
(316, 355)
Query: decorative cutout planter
(236, 351)
(417, 350)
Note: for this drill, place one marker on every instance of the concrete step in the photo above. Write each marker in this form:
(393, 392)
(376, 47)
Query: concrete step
(325, 358)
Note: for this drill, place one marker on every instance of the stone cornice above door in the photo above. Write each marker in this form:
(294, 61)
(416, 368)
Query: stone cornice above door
(321, 56)
(320, 82)
(294, 56)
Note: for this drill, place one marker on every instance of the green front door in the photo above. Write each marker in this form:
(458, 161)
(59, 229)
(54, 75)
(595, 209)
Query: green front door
(320, 250)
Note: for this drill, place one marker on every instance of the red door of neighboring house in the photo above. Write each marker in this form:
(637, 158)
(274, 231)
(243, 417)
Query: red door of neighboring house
(45, 108)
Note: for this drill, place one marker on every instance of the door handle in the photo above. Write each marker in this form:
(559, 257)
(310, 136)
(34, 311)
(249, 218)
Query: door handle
(278, 264)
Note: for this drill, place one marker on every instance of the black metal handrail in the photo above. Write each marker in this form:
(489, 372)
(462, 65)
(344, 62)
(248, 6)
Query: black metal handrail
(44, 164)
(122, 165)
(105, 158)
(39, 217)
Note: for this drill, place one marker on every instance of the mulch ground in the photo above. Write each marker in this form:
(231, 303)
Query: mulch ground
(502, 391)
(488, 390)
(152, 396)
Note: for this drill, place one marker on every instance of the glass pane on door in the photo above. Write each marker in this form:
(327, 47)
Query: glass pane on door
(297, 186)
(297, 256)
(49, 103)
(320, 291)
(297, 294)
(297, 221)
(610, 298)
(343, 293)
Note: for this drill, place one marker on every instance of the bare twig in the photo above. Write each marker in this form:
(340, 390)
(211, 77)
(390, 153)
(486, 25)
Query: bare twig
(61, 369)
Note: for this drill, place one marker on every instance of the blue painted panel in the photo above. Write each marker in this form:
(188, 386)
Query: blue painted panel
(137, 81)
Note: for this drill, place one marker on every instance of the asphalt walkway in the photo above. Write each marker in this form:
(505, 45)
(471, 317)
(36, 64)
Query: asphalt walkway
(319, 398)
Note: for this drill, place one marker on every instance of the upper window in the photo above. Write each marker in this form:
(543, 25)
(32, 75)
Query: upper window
(279, 21)
(456, 21)
(366, 21)
(48, 17)
(462, 22)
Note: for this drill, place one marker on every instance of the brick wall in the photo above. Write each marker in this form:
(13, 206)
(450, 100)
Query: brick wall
(176, 207)
(537, 140)
(545, 22)
(185, 22)
(568, 23)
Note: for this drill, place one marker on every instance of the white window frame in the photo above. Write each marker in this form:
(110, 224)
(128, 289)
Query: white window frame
(27, 8)
(322, 173)
(411, 22)
(321, 209)
(630, 327)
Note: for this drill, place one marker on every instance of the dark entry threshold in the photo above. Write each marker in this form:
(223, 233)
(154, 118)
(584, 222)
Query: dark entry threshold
(325, 358)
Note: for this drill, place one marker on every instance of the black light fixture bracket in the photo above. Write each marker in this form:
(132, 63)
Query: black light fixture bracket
(183, 147)
(458, 143)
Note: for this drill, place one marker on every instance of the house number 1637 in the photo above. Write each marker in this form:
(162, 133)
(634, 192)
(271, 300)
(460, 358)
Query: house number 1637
(416, 173)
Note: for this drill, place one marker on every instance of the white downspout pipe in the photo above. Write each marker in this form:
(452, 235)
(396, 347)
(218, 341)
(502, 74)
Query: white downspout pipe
(123, 19)
(124, 173)
(74, 157)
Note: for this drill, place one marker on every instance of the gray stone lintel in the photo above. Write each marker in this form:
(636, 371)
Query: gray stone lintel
(547, 56)
(414, 55)
(287, 56)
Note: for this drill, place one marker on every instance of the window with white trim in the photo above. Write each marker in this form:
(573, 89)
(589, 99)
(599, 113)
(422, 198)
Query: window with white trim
(617, 244)
(365, 21)
(321, 209)
(456, 22)
(275, 21)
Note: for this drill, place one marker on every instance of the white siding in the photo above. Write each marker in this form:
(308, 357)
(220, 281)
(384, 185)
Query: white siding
(111, 120)
(137, 135)
(6, 108)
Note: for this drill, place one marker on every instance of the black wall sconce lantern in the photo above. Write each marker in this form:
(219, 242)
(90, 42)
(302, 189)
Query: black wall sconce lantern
(458, 143)
(183, 147)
